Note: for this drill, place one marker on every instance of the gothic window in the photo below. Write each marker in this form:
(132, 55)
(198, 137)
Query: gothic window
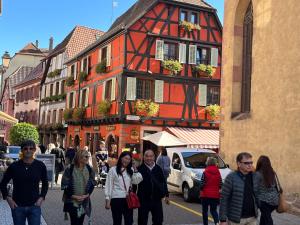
(247, 59)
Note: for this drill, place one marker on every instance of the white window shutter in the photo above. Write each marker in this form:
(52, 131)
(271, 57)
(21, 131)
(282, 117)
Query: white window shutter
(159, 51)
(214, 57)
(192, 54)
(87, 65)
(131, 88)
(81, 65)
(53, 64)
(202, 94)
(103, 90)
(113, 89)
(68, 100)
(75, 73)
(108, 55)
(100, 55)
(59, 61)
(182, 53)
(86, 104)
(159, 91)
(80, 98)
(74, 98)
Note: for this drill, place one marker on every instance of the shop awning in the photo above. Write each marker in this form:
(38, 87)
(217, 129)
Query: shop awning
(7, 118)
(196, 138)
(165, 139)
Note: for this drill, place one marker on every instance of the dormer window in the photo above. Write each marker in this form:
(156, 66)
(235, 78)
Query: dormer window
(183, 16)
(85, 65)
(189, 16)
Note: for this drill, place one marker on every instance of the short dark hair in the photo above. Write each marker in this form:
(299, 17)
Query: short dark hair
(27, 143)
(242, 155)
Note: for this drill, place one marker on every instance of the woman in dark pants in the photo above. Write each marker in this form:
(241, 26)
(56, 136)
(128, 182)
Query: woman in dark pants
(78, 184)
(118, 181)
(268, 190)
(211, 183)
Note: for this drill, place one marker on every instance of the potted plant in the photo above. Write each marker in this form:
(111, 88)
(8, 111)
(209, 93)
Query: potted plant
(213, 111)
(68, 113)
(82, 76)
(50, 75)
(173, 66)
(79, 113)
(104, 107)
(146, 107)
(70, 81)
(101, 67)
(188, 26)
(58, 126)
(56, 72)
(204, 70)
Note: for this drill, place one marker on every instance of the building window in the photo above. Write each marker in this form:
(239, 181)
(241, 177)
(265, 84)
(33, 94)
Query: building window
(73, 71)
(103, 53)
(57, 88)
(71, 96)
(202, 56)
(84, 66)
(247, 59)
(43, 118)
(183, 15)
(95, 95)
(170, 51)
(83, 97)
(194, 18)
(60, 116)
(144, 89)
(51, 90)
(213, 95)
(108, 87)
(62, 87)
(54, 116)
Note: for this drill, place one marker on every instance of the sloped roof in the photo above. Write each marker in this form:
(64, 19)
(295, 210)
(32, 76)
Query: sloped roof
(131, 16)
(76, 40)
(36, 73)
(21, 72)
(30, 48)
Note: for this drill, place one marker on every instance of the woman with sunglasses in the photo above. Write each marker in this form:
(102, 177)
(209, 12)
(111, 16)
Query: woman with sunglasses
(268, 192)
(78, 184)
(118, 182)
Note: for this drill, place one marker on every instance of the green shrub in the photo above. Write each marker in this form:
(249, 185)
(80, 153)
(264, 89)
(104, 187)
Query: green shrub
(82, 76)
(70, 81)
(146, 107)
(68, 113)
(104, 107)
(188, 26)
(213, 110)
(79, 113)
(21, 132)
(206, 69)
(101, 67)
(173, 66)
(56, 72)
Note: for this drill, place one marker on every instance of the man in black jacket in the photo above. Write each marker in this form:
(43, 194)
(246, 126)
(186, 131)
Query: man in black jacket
(151, 190)
(26, 174)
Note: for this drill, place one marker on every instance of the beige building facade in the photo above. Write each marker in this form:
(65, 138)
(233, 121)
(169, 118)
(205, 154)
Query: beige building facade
(260, 94)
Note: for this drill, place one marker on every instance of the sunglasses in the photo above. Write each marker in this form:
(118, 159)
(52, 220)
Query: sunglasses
(247, 163)
(28, 148)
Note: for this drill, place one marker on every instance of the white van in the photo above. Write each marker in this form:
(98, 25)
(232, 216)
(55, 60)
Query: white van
(187, 166)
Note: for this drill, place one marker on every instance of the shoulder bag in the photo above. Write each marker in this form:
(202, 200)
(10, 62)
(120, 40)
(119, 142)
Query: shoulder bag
(282, 204)
(132, 199)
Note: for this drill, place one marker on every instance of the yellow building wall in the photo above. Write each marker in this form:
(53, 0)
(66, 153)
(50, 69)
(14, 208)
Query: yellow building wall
(272, 127)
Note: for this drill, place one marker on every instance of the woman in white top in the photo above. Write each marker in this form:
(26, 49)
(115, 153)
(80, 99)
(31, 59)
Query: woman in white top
(119, 180)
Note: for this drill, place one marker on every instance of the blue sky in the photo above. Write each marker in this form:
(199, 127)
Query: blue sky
(25, 21)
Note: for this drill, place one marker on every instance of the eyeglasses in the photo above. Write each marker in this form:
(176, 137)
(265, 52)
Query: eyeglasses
(28, 148)
(247, 163)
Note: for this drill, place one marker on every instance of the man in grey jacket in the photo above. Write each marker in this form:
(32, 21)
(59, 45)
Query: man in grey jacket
(239, 192)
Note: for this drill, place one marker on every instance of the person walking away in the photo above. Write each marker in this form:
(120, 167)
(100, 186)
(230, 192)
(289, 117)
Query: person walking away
(27, 198)
(211, 183)
(118, 182)
(268, 193)
(151, 190)
(238, 204)
(163, 160)
(49, 148)
(69, 156)
(59, 161)
(78, 183)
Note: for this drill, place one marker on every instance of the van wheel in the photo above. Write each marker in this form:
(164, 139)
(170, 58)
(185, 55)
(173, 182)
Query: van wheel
(186, 193)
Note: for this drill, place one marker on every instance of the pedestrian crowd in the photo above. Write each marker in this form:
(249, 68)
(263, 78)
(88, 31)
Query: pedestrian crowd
(129, 186)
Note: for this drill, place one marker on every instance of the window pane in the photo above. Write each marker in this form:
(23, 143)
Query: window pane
(170, 51)
(144, 89)
(194, 18)
(202, 56)
(183, 15)
(108, 90)
(213, 95)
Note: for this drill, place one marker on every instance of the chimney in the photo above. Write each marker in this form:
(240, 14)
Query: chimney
(37, 43)
(50, 43)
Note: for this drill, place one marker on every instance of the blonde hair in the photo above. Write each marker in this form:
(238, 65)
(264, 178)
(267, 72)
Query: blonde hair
(211, 161)
(51, 146)
(78, 155)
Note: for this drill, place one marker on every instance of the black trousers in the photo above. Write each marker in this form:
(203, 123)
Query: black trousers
(74, 219)
(266, 211)
(120, 208)
(212, 203)
(153, 206)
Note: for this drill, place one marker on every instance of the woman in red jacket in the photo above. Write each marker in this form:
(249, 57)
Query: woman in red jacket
(211, 183)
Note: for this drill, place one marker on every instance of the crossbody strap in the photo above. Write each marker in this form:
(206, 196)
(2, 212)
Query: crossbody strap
(277, 183)
(124, 183)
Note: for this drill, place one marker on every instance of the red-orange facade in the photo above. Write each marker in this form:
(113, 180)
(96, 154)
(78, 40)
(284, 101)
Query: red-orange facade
(123, 89)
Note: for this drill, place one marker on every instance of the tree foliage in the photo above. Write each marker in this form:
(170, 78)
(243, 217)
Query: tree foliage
(21, 132)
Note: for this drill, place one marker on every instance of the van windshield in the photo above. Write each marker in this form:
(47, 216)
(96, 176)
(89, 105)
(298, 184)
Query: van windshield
(197, 160)
(14, 149)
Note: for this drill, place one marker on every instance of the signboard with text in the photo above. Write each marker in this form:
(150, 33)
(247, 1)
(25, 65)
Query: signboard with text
(49, 161)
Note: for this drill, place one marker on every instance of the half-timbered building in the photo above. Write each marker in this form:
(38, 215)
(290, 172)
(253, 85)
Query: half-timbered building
(146, 74)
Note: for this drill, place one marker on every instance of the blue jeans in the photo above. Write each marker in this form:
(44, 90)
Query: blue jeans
(31, 213)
